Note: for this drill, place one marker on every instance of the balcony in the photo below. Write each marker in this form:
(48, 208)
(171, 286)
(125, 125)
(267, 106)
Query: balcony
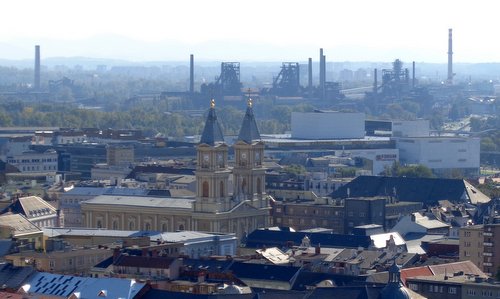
(488, 244)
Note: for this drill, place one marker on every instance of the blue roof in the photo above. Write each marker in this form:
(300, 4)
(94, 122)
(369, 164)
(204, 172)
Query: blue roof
(426, 190)
(249, 130)
(263, 271)
(212, 133)
(270, 238)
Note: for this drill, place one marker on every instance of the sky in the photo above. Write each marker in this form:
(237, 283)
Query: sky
(257, 30)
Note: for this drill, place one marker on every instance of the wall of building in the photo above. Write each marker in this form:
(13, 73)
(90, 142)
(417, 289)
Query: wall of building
(34, 162)
(471, 244)
(441, 154)
(327, 125)
(411, 128)
(491, 253)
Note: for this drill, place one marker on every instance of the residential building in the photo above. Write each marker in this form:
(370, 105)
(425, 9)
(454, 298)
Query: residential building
(340, 215)
(77, 261)
(418, 223)
(36, 210)
(309, 214)
(18, 227)
(48, 285)
(453, 285)
(491, 250)
(471, 243)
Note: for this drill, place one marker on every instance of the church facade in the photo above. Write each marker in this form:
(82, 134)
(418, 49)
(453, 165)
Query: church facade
(213, 209)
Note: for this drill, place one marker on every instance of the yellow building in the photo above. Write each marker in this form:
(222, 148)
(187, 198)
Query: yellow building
(213, 209)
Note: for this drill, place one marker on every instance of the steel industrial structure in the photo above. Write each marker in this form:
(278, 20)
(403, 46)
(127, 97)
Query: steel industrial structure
(287, 83)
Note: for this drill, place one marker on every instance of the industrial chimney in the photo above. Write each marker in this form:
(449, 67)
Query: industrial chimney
(449, 80)
(322, 73)
(191, 74)
(37, 68)
(310, 76)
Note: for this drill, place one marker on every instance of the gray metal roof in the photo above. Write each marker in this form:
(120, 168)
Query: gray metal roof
(141, 201)
(249, 130)
(95, 191)
(83, 287)
(212, 133)
(98, 232)
(188, 236)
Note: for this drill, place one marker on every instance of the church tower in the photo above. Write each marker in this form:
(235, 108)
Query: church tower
(248, 172)
(247, 208)
(212, 173)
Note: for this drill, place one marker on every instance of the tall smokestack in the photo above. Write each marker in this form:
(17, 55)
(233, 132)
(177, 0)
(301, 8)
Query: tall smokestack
(375, 83)
(191, 74)
(37, 67)
(450, 57)
(321, 68)
(413, 75)
(310, 76)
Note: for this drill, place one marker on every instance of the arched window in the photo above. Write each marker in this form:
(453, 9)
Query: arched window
(131, 225)
(221, 186)
(259, 186)
(164, 227)
(99, 224)
(115, 224)
(181, 227)
(147, 226)
(205, 189)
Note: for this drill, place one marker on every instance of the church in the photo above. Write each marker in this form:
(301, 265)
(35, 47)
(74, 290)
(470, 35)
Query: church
(213, 209)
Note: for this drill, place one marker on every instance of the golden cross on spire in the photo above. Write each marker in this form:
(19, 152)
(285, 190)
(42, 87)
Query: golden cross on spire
(212, 103)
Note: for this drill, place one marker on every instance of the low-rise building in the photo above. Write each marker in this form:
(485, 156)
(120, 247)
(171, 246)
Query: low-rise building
(36, 210)
(71, 261)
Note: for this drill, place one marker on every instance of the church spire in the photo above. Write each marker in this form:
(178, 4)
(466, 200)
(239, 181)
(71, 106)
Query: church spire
(212, 133)
(249, 131)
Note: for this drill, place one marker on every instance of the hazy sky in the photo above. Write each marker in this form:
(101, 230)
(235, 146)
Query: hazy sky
(288, 30)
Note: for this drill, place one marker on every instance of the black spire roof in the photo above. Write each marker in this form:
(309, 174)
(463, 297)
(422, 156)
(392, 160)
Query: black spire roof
(249, 131)
(212, 133)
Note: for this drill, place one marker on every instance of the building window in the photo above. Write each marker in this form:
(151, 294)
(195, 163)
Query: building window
(221, 186)
(413, 286)
(259, 186)
(205, 189)
(131, 225)
(115, 224)
(147, 226)
(99, 224)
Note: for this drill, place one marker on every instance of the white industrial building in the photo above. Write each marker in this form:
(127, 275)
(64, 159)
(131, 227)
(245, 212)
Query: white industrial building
(411, 128)
(441, 154)
(379, 158)
(327, 125)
